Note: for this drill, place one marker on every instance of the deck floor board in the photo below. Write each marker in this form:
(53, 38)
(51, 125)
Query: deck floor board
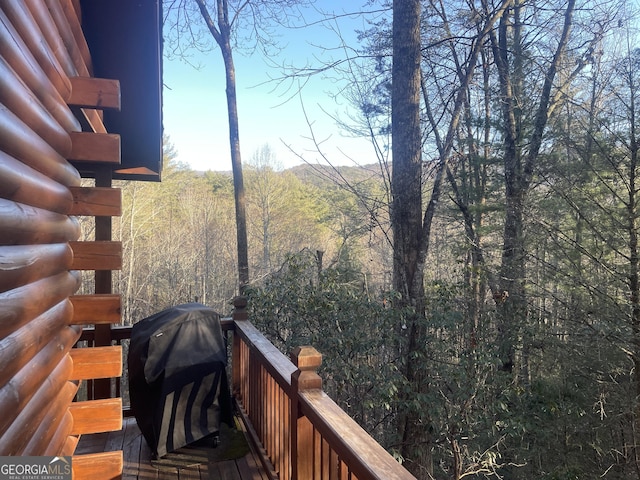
(137, 459)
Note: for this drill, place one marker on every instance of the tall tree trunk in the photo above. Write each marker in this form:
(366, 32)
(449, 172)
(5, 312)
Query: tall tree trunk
(411, 230)
(406, 219)
(236, 165)
(406, 140)
(510, 295)
(222, 35)
(472, 196)
(634, 263)
(518, 170)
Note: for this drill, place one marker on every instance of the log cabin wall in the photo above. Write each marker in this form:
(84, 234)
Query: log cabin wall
(51, 115)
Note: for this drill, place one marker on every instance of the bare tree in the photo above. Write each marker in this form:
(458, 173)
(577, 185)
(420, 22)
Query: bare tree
(523, 141)
(231, 24)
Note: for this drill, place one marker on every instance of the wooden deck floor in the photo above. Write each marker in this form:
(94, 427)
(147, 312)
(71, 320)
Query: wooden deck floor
(138, 465)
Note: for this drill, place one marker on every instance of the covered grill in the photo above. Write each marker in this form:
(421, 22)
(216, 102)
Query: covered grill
(177, 378)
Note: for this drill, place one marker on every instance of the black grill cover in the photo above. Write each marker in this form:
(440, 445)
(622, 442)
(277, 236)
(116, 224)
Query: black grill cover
(177, 379)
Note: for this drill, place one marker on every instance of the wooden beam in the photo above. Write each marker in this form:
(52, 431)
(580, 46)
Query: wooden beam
(96, 201)
(105, 255)
(90, 119)
(96, 309)
(96, 362)
(137, 173)
(69, 445)
(105, 465)
(103, 279)
(96, 416)
(95, 93)
(95, 147)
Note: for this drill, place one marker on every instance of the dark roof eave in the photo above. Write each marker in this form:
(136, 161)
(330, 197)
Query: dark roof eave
(125, 41)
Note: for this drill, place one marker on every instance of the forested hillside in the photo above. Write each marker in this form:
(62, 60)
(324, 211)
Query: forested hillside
(567, 415)
(178, 235)
(513, 351)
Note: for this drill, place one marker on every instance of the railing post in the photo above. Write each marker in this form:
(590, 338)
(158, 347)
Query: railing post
(102, 284)
(307, 359)
(239, 313)
(240, 309)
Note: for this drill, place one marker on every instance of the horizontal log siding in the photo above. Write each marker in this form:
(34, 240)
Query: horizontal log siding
(24, 264)
(21, 224)
(42, 48)
(22, 184)
(22, 305)
(20, 142)
(17, 97)
(43, 18)
(21, 389)
(48, 406)
(16, 53)
(19, 348)
(26, 27)
(54, 433)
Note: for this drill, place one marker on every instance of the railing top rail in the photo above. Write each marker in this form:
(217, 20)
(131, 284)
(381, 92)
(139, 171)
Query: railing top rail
(365, 457)
(277, 364)
(123, 332)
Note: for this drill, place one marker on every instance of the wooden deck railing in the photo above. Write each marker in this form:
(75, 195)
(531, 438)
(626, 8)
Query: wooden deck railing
(299, 431)
(304, 433)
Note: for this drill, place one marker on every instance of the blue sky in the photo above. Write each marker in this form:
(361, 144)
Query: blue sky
(195, 113)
